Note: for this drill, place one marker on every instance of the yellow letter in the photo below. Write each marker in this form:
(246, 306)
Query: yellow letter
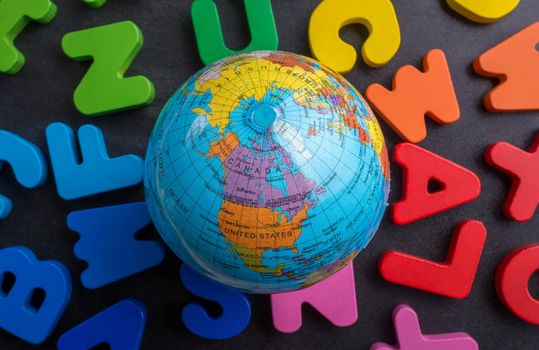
(331, 15)
(483, 11)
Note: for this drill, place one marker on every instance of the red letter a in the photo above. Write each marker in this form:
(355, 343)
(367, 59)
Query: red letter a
(458, 185)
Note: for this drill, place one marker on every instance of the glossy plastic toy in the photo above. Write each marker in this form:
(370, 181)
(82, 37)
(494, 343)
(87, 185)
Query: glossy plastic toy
(331, 15)
(14, 17)
(109, 245)
(95, 3)
(121, 327)
(38, 296)
(334, 298)
(96, 172)
(236, 308)
(112, 48)
(410, 337)
(512, 281)
(209, 33)
(458, 185)
(515, 62)
(483, 11)
(27, 162)
(415, 95)
(523, 166)
(452, 278)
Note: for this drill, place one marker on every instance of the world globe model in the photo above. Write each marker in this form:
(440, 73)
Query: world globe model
(266, 172)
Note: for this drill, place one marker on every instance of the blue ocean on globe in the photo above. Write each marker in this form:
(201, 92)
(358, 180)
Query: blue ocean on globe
(267, 172)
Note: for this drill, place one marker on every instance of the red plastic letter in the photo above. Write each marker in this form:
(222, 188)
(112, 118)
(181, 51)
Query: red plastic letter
(523, 167)
(452, 278)
(512, 278)
(459, 185)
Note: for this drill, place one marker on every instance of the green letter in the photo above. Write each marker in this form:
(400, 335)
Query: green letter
(95, 3)
(14, 16)
(104, 89)
(209, 35)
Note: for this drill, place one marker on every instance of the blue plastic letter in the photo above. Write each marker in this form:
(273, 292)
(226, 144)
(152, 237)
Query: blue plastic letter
(107, 242)
(18, 315)
(96, 172)
(27, 163)
(236, 308)
(121, 326)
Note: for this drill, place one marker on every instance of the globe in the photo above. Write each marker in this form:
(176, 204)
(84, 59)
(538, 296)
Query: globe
(266, 172)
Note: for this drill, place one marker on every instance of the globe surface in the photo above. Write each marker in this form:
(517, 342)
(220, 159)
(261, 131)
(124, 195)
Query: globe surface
(266, 172)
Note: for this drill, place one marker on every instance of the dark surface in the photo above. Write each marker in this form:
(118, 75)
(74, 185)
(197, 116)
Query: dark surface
(42, 93)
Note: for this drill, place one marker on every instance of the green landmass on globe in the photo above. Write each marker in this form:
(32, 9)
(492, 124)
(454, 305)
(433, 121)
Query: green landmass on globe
(267, 172)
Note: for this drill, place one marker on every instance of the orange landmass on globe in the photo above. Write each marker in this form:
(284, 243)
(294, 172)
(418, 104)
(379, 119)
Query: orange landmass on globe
(224, 147)
(312, 131)
(252, 231)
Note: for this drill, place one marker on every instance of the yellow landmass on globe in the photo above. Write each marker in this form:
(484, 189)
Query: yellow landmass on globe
(377, 138)
(306, 100)
(200, 111)
(252, 231)
(251, 79)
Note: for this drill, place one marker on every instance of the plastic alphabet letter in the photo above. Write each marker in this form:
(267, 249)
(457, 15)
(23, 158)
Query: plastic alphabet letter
(104, 89)
(523, 167)
(18, 315)
(453, 278)
(512, 280)
(96, 172)
(331, 15)
(334, 297)
(95, 3)
(14, 16)
(27, 162)
(459, 185)
(209, 35)
(121, 326)
(236, 308)
(416, 94)
(483, 11)
(109, 245)
(515, 62)
(409, 335)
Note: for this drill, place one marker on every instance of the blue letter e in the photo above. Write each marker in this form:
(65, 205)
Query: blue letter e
(33, 294)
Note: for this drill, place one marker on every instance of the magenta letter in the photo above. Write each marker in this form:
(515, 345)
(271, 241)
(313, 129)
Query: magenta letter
(334, 297)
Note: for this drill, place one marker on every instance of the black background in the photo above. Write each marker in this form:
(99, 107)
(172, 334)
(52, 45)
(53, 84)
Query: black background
(42, 93)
